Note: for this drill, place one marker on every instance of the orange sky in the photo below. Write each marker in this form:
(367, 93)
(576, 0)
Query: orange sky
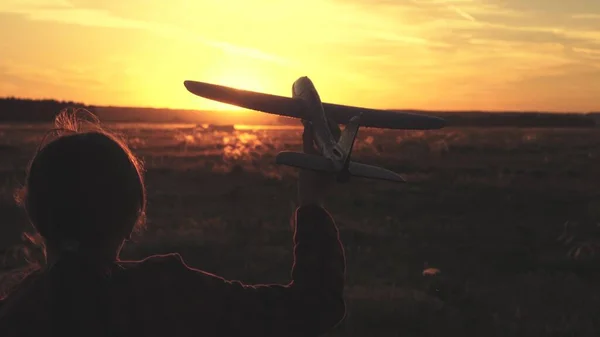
(425, 54)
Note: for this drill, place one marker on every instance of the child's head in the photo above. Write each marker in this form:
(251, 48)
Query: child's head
(84, 187)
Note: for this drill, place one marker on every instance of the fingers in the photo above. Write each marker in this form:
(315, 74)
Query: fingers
(308, 141)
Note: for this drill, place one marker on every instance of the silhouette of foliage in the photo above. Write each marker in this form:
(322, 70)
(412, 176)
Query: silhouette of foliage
(517, 119)
(44, 110)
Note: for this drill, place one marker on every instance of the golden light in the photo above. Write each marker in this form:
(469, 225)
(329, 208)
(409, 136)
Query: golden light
(236, 73)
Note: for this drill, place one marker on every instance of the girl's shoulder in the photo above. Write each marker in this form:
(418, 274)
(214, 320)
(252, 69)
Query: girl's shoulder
(152, 261)
(13, 279)
(154, 266)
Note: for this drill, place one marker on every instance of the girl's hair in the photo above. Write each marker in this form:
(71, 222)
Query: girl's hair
(84, 187)
(84, 193)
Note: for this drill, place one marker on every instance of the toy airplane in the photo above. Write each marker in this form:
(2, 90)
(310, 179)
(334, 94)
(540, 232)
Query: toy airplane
(335, 145)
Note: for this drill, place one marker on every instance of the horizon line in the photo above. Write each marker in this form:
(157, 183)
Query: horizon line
(250, 110)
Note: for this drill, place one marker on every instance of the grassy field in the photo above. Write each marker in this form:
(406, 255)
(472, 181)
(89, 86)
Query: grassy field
(507, 215)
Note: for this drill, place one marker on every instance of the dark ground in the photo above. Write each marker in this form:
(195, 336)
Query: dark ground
(486, 207)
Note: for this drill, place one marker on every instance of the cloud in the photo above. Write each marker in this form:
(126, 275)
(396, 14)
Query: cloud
(26, 80)
(68, 76)
(573, 82)
(488, 22)
(63, 11)
(457, 47)
(462, 13)
(492, 43)
(395, 38)
(587, 16)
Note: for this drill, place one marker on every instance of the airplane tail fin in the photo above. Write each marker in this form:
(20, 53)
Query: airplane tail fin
(322, 164)
(348, 138)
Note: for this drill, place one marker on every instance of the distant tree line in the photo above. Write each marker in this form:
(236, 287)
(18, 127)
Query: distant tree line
(518, 119)
(44, 110)
(18, 110)
(483, 119)
(34, 110)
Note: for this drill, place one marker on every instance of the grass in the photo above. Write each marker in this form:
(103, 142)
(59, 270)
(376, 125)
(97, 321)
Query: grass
(504, 214)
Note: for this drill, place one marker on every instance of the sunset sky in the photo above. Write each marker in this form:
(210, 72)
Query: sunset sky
(424, 54)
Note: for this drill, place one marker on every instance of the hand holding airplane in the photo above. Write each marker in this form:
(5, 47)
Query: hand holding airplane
(312, 185)
(324, 119)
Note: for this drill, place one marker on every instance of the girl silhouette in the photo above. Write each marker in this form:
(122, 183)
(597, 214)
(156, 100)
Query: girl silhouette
(85, 195)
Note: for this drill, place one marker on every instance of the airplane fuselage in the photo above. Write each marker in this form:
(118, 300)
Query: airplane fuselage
(304, 89)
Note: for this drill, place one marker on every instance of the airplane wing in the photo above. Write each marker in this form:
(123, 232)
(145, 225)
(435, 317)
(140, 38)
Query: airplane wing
(385, 119)
(287, 106)
(273, 104)
(322, 164)
(373, 172)
(305, 161)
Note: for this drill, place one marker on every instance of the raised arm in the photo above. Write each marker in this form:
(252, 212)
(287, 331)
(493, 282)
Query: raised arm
(311, 304)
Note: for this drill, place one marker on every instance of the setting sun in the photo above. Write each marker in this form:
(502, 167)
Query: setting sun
(391, 54)
(237, 74)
